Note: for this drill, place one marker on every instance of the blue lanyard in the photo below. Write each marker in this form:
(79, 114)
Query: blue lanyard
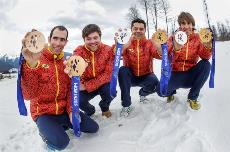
(116, 64)
(21, 104)
(165, 70)
(75, 105)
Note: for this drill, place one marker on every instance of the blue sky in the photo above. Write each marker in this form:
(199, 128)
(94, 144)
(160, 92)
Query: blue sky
(19, 16)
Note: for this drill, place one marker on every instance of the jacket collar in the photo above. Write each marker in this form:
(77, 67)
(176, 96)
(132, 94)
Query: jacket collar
(51, 56)
(192, 35)
(141, 41)
(98, 50)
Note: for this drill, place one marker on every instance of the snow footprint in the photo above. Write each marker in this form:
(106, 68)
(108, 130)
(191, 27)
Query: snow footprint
(194, 143)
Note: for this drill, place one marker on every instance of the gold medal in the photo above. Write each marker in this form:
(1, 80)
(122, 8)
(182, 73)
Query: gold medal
(77, 65)
(160, 37)
(205, 35)
(35, 41)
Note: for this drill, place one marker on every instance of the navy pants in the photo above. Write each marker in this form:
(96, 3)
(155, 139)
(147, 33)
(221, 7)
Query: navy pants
(85, 97)
(52, 129)
(127, 79)
(193, 79)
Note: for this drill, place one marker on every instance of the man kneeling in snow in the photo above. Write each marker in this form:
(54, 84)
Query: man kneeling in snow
(48, 88)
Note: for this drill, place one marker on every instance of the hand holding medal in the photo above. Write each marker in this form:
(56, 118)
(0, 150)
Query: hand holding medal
(206, 37)
(33, 44)
(34, 41)
(160, 37)
(122, 37)
(181, 37)
(76, 66)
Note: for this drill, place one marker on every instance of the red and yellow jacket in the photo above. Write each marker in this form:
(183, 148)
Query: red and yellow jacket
(47, 86)
(188, 56)
(100, 64)
(139, 56)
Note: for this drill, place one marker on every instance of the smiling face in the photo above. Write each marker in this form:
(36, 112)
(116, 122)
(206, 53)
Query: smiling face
(138, 30)
(58, 40)
(186, 27)
(186, 22)
(92, 41)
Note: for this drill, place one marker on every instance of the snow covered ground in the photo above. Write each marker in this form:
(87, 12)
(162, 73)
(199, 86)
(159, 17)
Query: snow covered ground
(152, 127)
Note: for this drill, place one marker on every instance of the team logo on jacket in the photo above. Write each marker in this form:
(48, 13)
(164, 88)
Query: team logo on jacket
(131, 50)
(45, 66)
(87, 60)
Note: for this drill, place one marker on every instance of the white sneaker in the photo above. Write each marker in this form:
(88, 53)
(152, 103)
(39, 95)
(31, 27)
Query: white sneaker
(125, 111)
(48, 149)
(144, 100)
(70, 132)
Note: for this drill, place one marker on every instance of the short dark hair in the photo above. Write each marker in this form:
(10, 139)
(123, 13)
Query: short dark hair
(138, 20)
(185, 16)
(90, 28)
(61, 28)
